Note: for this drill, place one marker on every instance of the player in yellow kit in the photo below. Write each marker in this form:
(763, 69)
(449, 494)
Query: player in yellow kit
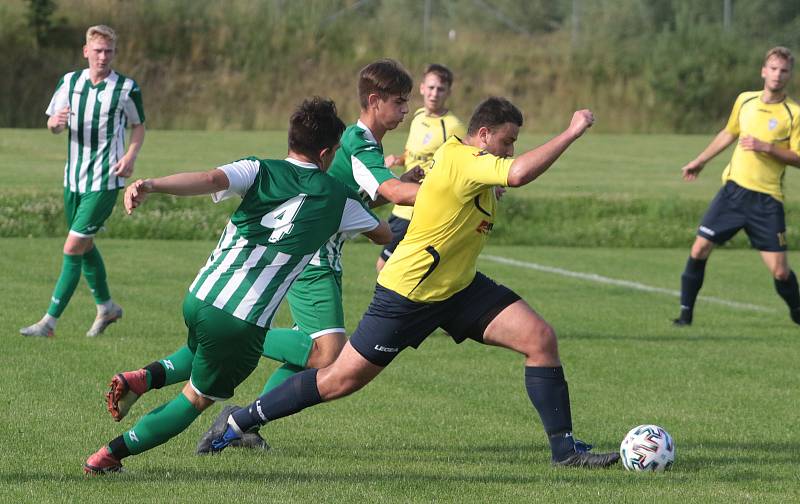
(431, 126)
(767, 124)
(432, 281)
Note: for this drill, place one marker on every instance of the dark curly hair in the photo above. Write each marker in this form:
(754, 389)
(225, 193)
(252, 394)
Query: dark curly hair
(314, 126)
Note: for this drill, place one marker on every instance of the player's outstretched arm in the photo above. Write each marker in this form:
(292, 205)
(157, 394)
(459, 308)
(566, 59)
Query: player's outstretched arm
(717, 145)
(180, 184)
(533, 163)
(381, 235)
(785, 156)
(399, 191)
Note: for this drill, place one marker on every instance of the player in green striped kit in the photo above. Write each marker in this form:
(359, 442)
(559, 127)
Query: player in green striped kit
(94, 105)
(289, 209)
(315, 300)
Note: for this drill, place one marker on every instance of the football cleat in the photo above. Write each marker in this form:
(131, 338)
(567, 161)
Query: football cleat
(102, 462)
(588, 460)
(251, 440)
(679, 322)
(38, 329)
(123, 391)
(104, 320)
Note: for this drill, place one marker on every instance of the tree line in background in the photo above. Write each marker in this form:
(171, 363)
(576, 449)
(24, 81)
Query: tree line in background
(642, 65)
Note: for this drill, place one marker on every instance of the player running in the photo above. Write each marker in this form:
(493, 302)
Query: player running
(767, 124)
(94, 105)
(432, 281)
(315, 299)
(430, 127)
(289, 209)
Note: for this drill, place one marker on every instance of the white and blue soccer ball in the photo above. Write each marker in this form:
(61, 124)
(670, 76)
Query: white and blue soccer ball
(647, 448)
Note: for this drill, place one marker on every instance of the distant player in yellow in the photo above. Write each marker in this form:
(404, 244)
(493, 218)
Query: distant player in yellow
(431, 281)
(431, 126)
(767, 124)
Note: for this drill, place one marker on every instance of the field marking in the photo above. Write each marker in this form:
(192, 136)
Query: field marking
(593, 277)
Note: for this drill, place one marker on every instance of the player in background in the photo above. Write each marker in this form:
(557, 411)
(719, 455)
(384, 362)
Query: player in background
(432, 281)
(430, 127)
(767, 125)
(289, 208)
(315, 299)
(94, 105)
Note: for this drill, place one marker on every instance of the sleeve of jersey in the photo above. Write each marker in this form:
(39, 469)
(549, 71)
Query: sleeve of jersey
(59, 99)
(241, 175)
(356, 217)
(369, 170)
(794, 135)
(484, 170)
(732, 126)
(134, 109)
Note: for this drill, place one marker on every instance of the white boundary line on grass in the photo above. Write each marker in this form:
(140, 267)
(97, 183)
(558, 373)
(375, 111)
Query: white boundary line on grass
(593, 277)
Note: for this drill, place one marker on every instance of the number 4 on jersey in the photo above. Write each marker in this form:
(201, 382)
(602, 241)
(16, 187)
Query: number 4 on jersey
(280, 219)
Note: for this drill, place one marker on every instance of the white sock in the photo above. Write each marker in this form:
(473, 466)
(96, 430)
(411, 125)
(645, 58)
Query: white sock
(104, 307)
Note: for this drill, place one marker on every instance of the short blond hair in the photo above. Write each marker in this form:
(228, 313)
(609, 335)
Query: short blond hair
(103, 31)
(780, 52)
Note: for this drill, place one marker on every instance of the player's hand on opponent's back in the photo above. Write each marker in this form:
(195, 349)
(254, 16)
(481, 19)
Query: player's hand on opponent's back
(414, 175)
(136, 193)
(692, 169)
(581, 121)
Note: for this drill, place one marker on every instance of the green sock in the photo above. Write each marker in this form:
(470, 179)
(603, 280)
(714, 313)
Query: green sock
(280, 375)
(67, 281)
(95, 272)
(160, 425)
(175, 368)
(288, 345)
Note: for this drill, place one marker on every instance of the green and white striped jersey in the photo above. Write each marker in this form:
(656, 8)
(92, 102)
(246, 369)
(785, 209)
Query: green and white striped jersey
(97, 120)
(289, 209)
(360, 166)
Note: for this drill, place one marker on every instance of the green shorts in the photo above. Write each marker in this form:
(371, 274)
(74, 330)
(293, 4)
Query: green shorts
(87, 212)
(226, 349)
(315, 300)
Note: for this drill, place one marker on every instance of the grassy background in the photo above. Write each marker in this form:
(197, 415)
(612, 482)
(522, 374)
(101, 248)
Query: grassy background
(607, 190)
(443, 423)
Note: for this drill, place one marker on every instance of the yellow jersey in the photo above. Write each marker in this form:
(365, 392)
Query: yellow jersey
(776, 123)
(426, 134)
(453, 216)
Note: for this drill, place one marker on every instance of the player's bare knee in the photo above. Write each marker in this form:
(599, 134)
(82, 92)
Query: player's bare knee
(542, 342)
(326, 349)
(780, 273)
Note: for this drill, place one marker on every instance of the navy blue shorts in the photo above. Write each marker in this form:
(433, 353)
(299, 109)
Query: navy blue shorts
(734, 208)
(399, 226)
(394, 322)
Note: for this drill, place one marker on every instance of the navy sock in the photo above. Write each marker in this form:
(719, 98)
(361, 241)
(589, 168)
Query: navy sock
(293, 395)
(549, 393)
(788, 290)
(691, 282)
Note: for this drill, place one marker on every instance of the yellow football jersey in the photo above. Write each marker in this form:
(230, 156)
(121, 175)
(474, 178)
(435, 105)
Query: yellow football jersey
(453, 216)
(776, 123)
(426, 134)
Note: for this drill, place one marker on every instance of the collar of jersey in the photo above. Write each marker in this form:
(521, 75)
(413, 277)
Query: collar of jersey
(302, 164)
(367, 133)
(99, 84)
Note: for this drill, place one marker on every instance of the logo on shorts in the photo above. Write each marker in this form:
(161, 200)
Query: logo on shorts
(91, 228)
(133, 437)
(709, 232)
(782, 239)
(386, 349)
(772, 123)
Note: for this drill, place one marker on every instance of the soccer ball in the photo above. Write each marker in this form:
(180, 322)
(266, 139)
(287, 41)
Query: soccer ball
(647, 448)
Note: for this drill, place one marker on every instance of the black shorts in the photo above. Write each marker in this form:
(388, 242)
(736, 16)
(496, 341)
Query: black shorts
(399, 226)
(734, 208)
(394, 322)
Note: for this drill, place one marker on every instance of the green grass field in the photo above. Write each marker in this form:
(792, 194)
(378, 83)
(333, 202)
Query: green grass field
(445, 422)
